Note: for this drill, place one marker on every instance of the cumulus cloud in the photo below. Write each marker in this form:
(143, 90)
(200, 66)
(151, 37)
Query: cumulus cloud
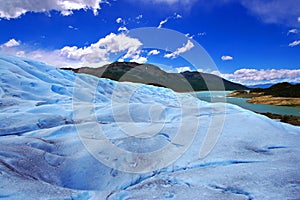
(295, 43)
(153, 52)
(94, 55)
(15, 8)
(188, 46)
(226, 58)
(139, 59)
(11, 43)
(51, 57)
(254, 76)
(183, 69)
(134, 55)
(99, 51)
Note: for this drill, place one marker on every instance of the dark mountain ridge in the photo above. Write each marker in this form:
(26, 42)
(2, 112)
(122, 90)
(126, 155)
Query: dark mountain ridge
(284, 89)
(153, 75)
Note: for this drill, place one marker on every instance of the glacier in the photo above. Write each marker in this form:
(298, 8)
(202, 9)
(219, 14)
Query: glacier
(49, 135)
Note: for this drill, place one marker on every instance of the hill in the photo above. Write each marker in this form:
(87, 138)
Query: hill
(281, 90)
(153, 75)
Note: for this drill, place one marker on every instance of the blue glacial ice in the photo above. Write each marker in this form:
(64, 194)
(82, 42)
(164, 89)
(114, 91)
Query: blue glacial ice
(49, 135)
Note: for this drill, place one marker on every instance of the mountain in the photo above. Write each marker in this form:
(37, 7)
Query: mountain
(267, 85)
(153, 75)
(74, 136)
(281, 90)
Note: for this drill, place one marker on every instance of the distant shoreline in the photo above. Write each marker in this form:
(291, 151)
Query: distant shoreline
(290, 119)
(275, 101)
(261, 98)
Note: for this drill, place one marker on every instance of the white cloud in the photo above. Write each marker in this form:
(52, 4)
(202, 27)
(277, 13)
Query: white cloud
(153, 52)
(94, 55)
(72, 27)
(139, 59)
(186, 2)
(162, 22)
(295, 31)
(175, 16)
(254, 76)
(189, 36)
(11, 43)
(119, 20)
(200, 70)
(202, 33)
(226, 58)
(188, 46)
(274, 11)
(295, 43)
(100, 50)
(123, 28)
(139, 17)
(134, 55)
(15, 8)
(298, 19)
(183, 69)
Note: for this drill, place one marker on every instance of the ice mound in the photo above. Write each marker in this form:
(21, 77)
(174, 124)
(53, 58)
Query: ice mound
(49, 135)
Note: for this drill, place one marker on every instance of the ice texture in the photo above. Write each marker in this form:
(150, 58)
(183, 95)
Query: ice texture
(42, 155)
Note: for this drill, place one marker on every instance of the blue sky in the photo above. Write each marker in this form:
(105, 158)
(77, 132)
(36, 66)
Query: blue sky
(251, 42)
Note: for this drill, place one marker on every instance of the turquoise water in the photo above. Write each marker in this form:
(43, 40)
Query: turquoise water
(220, 96)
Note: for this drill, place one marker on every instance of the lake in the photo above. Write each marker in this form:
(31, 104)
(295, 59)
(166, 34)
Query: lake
(221, 96)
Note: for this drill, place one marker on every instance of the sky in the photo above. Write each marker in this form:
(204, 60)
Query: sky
(249, 41)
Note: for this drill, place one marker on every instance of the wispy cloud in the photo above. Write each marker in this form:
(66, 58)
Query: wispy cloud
(11, 43)
(254, 76)
(298, 19)
(175, 16)
(162, 22)
(72, 27)
(119, 20)
(189, 36)
(15, 8)
(172, 2)
(123, 28)
(153, 52)
(293, 31)
(139, 17)
(226, 58)
(188, 46)
(295, 43)
(274, 11)
(202, 34)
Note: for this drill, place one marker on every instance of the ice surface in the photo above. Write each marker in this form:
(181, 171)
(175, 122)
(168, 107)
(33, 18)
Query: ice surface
(43, 156)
